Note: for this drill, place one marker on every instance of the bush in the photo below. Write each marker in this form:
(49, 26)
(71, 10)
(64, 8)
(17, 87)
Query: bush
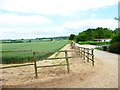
(94, 42)
(115, 47)
(116, 38)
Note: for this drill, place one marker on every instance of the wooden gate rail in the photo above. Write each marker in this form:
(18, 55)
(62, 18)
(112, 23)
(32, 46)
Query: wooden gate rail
(85, 53)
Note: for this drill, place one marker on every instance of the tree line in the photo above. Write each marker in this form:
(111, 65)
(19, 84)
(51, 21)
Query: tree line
(92, 34)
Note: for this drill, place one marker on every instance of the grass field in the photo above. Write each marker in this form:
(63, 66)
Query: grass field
(22, 57)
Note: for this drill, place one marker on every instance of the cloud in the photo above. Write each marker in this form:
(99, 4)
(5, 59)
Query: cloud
(13, 20)
(54, 7)
(38, 22)
(16, 32)
(91, 23)
(93, 15)
(15, 26)
(29, 35)
(39, 30)
(66, 29)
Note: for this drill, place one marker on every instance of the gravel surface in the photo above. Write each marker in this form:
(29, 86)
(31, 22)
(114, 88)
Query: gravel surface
(82, 74)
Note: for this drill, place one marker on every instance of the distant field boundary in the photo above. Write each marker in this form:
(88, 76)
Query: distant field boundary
(16, 51)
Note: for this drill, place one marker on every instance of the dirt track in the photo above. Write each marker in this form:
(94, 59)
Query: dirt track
(82, 75)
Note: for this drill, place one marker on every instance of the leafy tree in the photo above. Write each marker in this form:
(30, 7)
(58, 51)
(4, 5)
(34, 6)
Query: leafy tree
(51, 39)
(81, 37)
(116, 38)
(29, 41)
(72, 36)
(104, 32)
(117, 30)
(16, 41)
(115, 43)
(117, 18)
(91, 34)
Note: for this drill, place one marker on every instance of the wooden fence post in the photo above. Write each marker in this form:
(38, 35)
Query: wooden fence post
(93, 57)
(84, 54)
(68, 67)
(35, 65)
(88, 55)
(72, 45)
(79, 50)
(75, 48)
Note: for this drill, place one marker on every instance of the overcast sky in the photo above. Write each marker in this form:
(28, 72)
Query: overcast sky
(46, 18)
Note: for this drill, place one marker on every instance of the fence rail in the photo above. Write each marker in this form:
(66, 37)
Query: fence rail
(55, 51)
(16, 66)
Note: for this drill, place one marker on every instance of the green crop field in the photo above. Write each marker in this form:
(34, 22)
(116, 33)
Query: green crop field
(22, 57)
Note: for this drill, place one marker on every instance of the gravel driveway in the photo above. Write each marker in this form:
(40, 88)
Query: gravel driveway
(108, 75)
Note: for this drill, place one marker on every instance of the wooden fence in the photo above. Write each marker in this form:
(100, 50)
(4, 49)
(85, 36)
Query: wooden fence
(85, 53)
(66, 57)
(82, 52)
